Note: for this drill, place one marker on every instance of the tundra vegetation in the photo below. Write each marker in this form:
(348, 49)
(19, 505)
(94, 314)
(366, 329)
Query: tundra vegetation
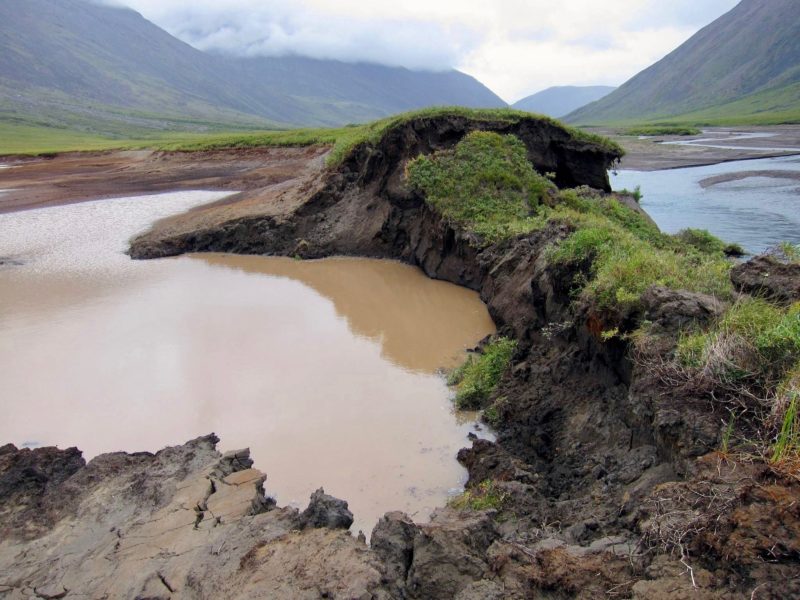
(650, 130)
(748, 359)
(26, 140)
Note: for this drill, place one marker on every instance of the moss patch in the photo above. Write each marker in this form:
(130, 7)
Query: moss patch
(485, 496)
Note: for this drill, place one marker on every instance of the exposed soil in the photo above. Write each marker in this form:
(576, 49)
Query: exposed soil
(609, 482)
(76, 177)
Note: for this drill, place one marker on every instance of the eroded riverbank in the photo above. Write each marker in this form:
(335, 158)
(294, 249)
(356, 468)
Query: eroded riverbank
(599, 461)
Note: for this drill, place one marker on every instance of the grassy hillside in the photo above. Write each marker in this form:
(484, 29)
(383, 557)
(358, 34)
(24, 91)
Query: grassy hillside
(742, 68)
(98, 68)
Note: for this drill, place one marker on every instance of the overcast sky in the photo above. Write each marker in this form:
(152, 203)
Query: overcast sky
(516, 47)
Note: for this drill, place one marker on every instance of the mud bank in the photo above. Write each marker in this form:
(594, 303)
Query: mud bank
(81, 176)
(607, 479)
(713, 146)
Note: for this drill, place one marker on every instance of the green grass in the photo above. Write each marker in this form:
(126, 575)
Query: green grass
(791, 252)
(755, 343)
(636, 194)
(32, 140)
(708, 243)
(485, 184)
(662, 130)
(38, 139)
(628, 254)
(259, 139)
(787, 443)
(485, 496)
(778, 106)
(477, 378)
(750, 358)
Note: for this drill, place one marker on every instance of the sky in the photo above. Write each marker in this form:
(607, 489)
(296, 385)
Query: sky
(516, 47)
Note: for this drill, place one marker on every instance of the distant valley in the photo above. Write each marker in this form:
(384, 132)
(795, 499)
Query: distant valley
(561, 100)
(82, 66)
(742, 68)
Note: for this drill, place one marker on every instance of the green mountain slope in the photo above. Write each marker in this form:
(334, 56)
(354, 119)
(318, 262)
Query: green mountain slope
(77, 64)
(561, 100)
(743, 64)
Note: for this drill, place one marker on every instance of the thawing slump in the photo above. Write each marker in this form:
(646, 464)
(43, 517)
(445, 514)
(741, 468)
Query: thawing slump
(327, 369)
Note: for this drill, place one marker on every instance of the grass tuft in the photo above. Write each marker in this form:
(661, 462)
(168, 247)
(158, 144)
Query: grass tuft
(755, 343)
(629, 255)
(485, 496)
(707, 243)
(477, 378)
(787, 443)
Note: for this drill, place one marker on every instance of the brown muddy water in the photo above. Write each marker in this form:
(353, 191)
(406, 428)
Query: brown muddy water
(328, 370)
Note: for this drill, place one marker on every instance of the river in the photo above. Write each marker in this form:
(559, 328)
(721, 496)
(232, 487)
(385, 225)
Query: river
(755, 203)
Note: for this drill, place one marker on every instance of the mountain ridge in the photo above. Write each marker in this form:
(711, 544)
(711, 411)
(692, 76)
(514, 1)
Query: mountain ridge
(62, 58)
(752, 49)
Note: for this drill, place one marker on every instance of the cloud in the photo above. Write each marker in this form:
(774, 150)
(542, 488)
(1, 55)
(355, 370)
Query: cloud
(516, 47)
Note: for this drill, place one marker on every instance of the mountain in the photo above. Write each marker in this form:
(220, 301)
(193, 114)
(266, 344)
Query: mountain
(80, 64)
(746, 64)
(561, 100)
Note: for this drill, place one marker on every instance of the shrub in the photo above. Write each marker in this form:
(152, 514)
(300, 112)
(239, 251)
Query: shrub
(478, 377)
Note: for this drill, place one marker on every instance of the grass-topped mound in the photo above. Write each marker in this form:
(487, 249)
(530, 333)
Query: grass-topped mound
(486, 185)
(747, 360)
(345, 140)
